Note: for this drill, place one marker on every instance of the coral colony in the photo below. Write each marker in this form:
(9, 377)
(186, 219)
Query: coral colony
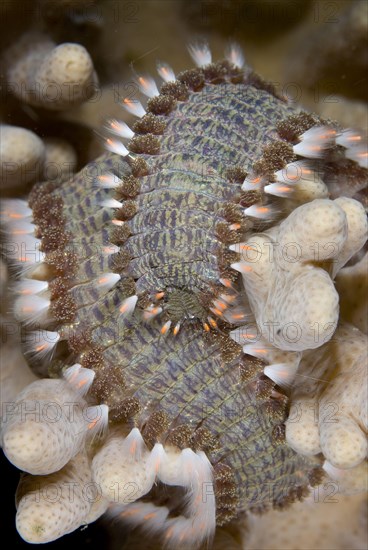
(181, 311)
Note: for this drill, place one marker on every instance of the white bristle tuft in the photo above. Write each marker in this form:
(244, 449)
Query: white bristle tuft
(108, 181)
(242, 248)
(134, 107)
(258, 211)
(134, 445)
(28, 287)
(282, 374)
(295, 172)
(107, 280)
(235, 55)
(41, 343)
(97, 418)
(111, 203)
(165, 72)
(244, 335)
(21, 227)
(146, 515)
(79, 378)
(119, 128)
(148, 86)
(238, 314)
(241, 267)
(31, 309)
(151, 312)
(14, 209)
(359, 155)
(116, 147)
(128, 306)
(256, 350)
(349, 138)
(23, 249)
(252, 182)
(165, 328)
(278, 190)
(109, 249)
(118, 223)
(200, 53)
(315, 141)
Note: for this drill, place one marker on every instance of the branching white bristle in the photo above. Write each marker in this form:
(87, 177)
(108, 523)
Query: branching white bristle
(258, 211)
(235, 55)
(282, 374)
(252, 182)
(256, 350)
(315, 141)
(148, 86)
(119, 128)
(200, 53)
(97, 418)
(278, 190)
(41, 342)
(134, 107)
(128, 305)
(241, 267)
(244, 335)
(108, 181)
(358, 154)
(107, 280)
(165, 72)
(109, 249)
(13, 210)
(165, 328)
(23, 249)
(79, 378)
(21, 227)
(134, 446)
(31, 308)
(117, 147)
(151, 312)
(111, 203)
(28, 287)
(295, 172)
(349, 138)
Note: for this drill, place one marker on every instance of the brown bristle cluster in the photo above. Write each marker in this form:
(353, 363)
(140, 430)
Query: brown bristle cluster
(146, 144)
(248, 198)
(193, 78)
(278, 434)
(149, 124)
(226, 493)
(204, 440)
(63, 309)
(124, 409)
(225, 234)
(52, 239)
(127, 211)
(295, 125)
(180, 436)
(120, 234)
(120, 261)
(157, 423)
(275, 157)
(129, 188)
(62, 262)
(178, 90)
(249, 367)
(236, 174)
(161, 105)
(139, 167)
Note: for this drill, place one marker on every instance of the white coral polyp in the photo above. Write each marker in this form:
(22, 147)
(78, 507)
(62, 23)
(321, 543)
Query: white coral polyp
(288, 277)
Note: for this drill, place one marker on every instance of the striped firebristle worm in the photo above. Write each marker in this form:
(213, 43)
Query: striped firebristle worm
(130, 272)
